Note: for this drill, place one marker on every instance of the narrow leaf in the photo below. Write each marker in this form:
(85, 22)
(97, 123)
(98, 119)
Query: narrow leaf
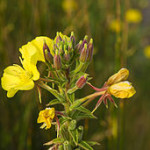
(85, 145)
(53, 102)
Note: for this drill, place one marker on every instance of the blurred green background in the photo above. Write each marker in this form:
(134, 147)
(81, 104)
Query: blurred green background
(115, 46)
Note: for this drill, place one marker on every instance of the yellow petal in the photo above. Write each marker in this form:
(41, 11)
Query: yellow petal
(16, 78)
(33, 51)
(11, 93)
(133, 16)
(31, 69)
(122, 90)
(147, 51)
(121, 75)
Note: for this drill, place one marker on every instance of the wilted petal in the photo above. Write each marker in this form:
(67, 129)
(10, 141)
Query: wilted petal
(121, 75)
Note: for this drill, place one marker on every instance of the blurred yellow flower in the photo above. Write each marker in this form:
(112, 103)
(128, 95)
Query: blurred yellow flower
(133, 16)
(69, 5)
(122, 90)
(33, 51)
(147, 51)
(121, 75)
(17, 78)
(46, 116)
(115, 26)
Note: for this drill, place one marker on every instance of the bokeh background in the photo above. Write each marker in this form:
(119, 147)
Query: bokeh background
(120, 40)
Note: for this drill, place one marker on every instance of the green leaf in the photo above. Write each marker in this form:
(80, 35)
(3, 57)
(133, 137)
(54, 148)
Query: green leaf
(76, 104)
(92, 143)
(82, 113)
(71, 97)
(63, 119)
(74, 134)
(55, 141)
(85, 145)
(83, 109)
(53, 102)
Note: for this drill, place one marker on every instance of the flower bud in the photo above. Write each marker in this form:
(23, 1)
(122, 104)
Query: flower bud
(81, 81)
(121, 75)
(66, 56)
(90, 50)
(61, 51)
(122, 90)
(72, 124)
(47, 55)
(58, 38)
(67, 145)
(80, 131)
(83, 55)
(60, 147)
(79, 47)
(57, 61)
(72, 38)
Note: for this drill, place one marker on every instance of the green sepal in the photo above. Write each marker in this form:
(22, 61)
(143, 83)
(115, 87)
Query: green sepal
(85, 145)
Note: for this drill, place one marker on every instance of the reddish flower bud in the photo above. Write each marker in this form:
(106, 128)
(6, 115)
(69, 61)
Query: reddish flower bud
(57, 61)
(66, 56)
(90, 50)
(72, 38)
(84, 54)
(58, 38)
(47, 55)
(81, 81)
(79, 47)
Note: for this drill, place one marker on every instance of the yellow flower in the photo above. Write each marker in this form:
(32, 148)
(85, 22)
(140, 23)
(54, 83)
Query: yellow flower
(115, 26)
(17, 78)
(33, 51)
(69, 5)
(133, 16)
(122, 90)
(46, 116)
(147, 51)
(121, 75)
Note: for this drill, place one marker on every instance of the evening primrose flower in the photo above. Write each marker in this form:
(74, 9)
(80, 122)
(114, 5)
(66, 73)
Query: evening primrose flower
(133, 16)
(17, 78)
(122, 90)
(33, 51)
(147, 51)
(46, 116)
(116, 86)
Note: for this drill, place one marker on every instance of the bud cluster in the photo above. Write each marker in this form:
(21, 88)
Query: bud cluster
(66, 51)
